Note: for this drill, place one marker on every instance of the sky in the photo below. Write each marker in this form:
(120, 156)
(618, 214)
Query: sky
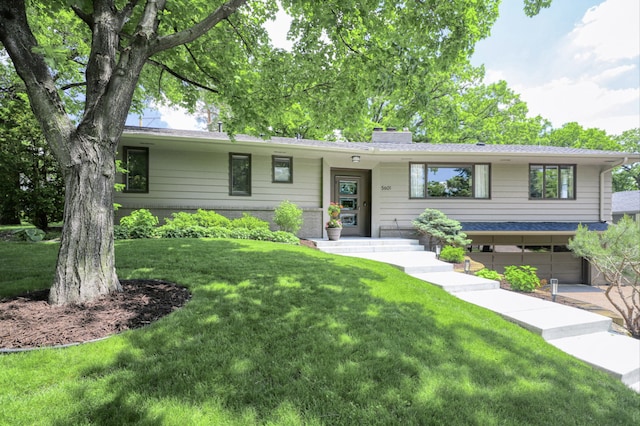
(577, 61)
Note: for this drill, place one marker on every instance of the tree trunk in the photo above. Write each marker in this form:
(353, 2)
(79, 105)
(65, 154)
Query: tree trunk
(86, 261)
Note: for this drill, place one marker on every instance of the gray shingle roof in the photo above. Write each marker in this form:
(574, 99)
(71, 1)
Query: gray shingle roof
(382, 147)
(625, 202)
(530, 226)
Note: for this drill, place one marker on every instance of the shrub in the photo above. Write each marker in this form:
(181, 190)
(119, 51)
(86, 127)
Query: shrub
(522, 278)
(240, 233)
(285, 237)
(489, 274)
(210, 219)
(139, 224)
(249, 222)
(181, 220)
(288, 217)
(260, 234)
(452, 254)
(440, 229)
(33, 235)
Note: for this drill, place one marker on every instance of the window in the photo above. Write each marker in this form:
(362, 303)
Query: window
(449, 180)
(552, 181)
(136, 162)
(239, 174)
(282, 169)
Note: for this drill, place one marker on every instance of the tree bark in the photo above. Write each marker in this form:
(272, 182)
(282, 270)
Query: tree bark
(86, 261)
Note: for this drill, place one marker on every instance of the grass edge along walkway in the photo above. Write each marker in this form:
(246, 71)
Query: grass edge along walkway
(278, 334)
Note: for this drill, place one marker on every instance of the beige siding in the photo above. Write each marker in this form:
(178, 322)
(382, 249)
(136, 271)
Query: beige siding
(201, 179)
(509, 199)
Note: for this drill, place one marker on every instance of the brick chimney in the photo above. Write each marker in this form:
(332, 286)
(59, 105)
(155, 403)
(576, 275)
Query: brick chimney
(391, 135)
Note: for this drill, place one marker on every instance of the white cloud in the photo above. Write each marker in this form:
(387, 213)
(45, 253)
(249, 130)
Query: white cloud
(177, 118)
(609, 31)
(611, 73)
(278, 30)
(585, 102)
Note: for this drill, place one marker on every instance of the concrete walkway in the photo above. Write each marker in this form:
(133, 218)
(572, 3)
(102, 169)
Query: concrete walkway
(587, 336)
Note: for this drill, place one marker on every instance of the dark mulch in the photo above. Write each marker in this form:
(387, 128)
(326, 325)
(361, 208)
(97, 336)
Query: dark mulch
(28, 321)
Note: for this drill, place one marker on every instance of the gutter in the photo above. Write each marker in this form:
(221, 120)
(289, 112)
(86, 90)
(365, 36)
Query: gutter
(626, 159)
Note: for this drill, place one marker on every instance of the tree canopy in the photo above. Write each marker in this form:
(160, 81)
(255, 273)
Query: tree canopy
(87, 64)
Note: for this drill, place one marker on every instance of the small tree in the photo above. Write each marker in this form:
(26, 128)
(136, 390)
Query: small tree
(440, 229)
(616, 254)
(288, 217)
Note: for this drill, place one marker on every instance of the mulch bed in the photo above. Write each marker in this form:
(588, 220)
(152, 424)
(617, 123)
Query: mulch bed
(28, 321)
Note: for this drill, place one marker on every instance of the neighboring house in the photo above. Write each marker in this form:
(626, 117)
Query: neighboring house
(518, 203)
(625, 203)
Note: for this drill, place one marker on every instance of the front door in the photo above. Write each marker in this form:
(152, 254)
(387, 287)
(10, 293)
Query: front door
(351, 189)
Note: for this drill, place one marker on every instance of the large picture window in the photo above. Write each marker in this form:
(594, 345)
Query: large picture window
(449, 180)
(136, 162)
(239, 174)
(552, 181)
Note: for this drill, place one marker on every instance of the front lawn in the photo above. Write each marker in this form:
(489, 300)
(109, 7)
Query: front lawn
(285, 335)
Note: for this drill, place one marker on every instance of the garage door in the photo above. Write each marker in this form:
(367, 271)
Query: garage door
(547, 253)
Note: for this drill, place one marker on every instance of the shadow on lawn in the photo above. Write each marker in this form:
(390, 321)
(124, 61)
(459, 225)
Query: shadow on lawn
(314, 343)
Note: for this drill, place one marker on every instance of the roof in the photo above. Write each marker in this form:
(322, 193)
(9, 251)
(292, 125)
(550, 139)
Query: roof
(625, 202)
(390, 148)
(530, 226)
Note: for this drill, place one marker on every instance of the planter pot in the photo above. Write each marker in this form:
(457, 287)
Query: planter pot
(334, 233)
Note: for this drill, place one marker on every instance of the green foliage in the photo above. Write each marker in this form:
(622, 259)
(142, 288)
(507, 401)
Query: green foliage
(31, 183)
(33, 235)
(452, 254)
(210, 219)
(202, 224)
(489, 274)
(440, 229)
(288, 217)
(139, 224)
(522, 278)
(616, 254)
(249, 222)
(627, 177)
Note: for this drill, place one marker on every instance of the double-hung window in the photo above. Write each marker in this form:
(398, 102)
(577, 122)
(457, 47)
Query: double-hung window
(552, 181)
(136, 162)
(239, 174)
(434, 180)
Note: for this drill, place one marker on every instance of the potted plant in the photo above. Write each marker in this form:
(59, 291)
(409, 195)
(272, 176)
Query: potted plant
(334, 225)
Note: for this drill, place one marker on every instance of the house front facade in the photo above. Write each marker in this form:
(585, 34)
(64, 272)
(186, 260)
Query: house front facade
(519, 204)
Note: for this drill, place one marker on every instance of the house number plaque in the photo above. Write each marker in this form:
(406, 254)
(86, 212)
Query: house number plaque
(385, 187)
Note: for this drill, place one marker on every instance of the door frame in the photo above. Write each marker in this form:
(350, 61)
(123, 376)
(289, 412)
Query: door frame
(364, 208)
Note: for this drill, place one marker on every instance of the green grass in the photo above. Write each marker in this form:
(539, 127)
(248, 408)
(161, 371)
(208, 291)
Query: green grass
(284, 335)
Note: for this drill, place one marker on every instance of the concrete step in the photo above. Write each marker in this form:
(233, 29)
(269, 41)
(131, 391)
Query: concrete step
(617, 354)
(548, 319)
(363, 245)
(411, 262)
(454, 282)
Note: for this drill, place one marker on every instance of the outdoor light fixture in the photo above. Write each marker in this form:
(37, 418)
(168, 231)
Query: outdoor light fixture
(467, 266)
(437, 250)
(554, 288)
(355, 158)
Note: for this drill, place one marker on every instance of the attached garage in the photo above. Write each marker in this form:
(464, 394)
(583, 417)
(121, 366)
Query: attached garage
(542, 245)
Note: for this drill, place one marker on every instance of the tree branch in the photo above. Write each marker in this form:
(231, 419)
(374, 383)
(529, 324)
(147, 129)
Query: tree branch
(192, 33)
(163, 67)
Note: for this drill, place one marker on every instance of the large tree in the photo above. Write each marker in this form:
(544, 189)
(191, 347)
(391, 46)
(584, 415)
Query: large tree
(108, 54)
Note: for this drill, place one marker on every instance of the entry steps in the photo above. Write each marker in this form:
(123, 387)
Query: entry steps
(582, 334)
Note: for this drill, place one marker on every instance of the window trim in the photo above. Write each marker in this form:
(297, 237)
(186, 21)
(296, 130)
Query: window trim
(544, 176)
(275, 158)
(246, 193)
(125, 176)
(427, 165)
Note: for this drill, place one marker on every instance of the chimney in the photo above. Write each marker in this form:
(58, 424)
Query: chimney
(391, 135)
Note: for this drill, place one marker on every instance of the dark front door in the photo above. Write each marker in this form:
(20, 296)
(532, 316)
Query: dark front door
(352, 189)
